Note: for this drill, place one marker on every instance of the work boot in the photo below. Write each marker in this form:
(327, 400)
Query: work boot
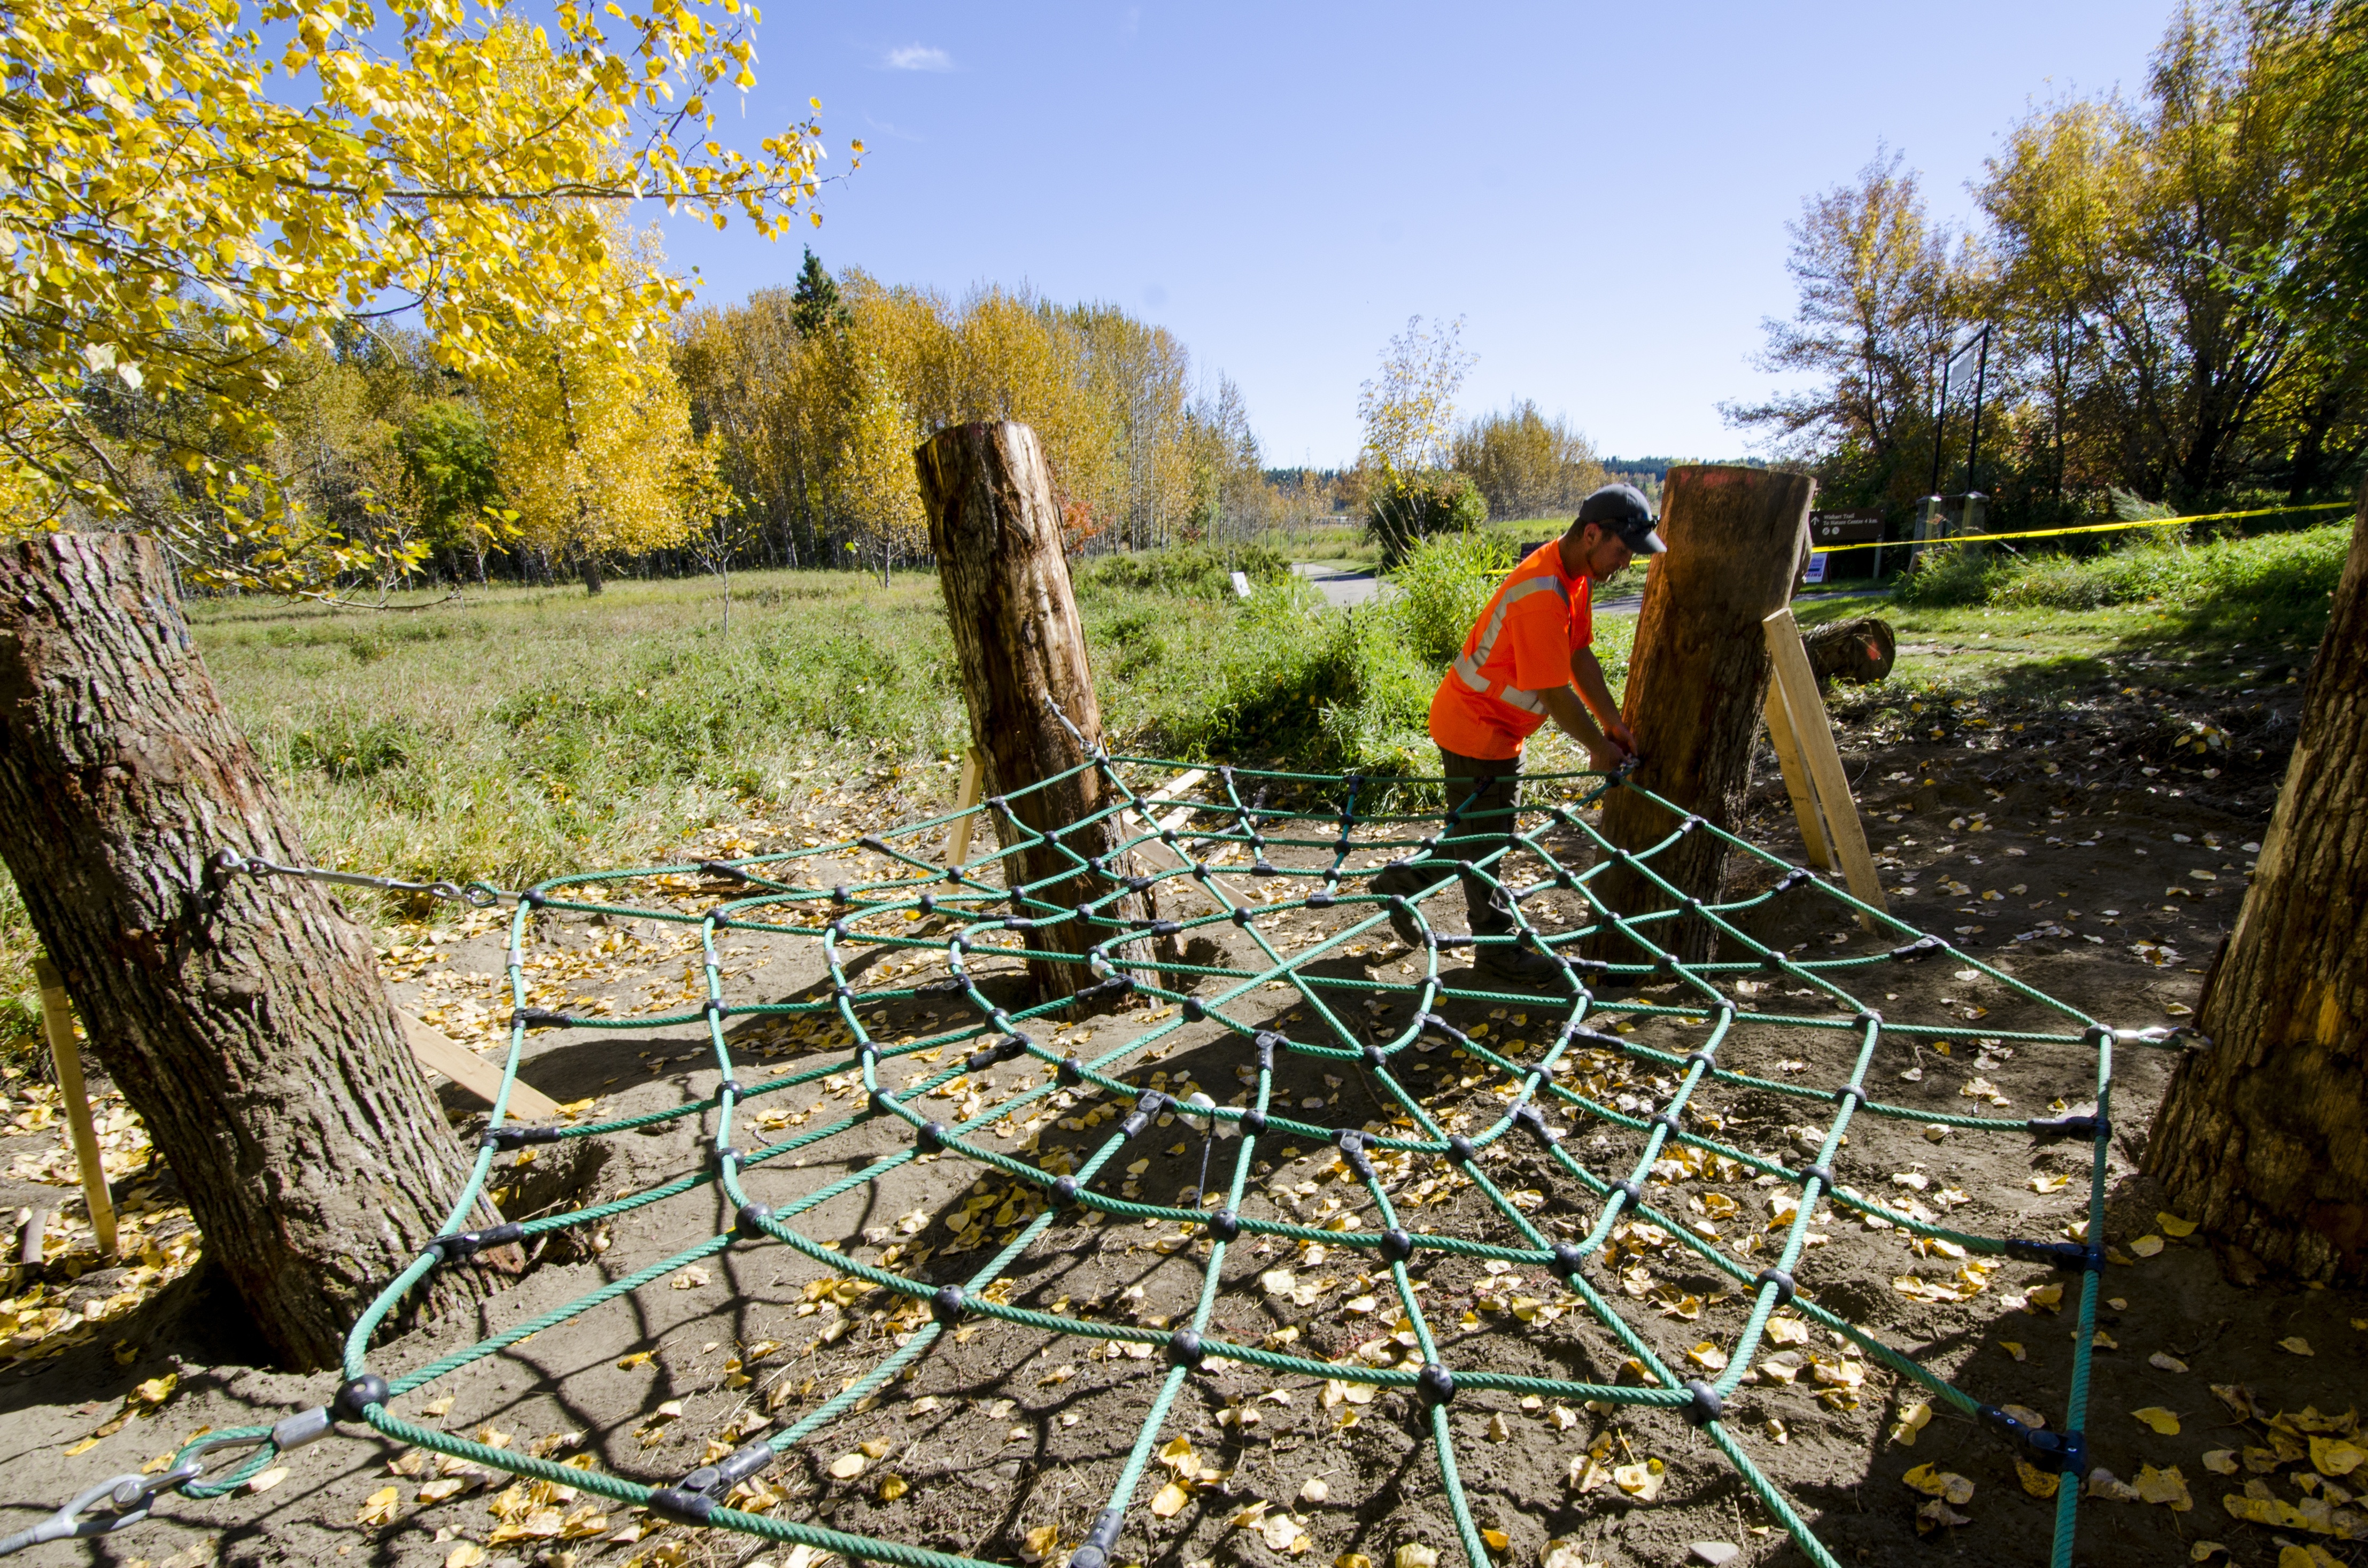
(1403, 879)
(1507, 964)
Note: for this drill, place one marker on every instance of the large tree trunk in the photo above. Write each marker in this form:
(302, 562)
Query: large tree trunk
(2263, 1136)
(244, 1020)
(996, 534)
(1698, 683)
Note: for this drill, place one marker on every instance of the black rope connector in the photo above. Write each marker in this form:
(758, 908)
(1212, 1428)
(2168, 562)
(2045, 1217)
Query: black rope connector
(1099, 1541)
(533, 900)
(1083, 913)
(540, 1018)
(1145, 1110)
(1321, 900)
(1253, 1122)
(1631, 1191)
(2056, 1254)
(1351, 1145)
(734, 1087)
(1460, 1149)
(872, 843)
(1532, 1120)
(2058, 1453)
(1705, 1406)
(1849, 1093)
(1568, 1260)
(2083, 1124)
(458, 1244)
(356, 1396)
(1070, 1072)
(1064, 1192)
(1664, 1120)
(882, 1102)
(518, 1137)
(730, 1471)
(1664, 963)
(1241, 917)
(748, 1225)
(728, 1157)
(930, 1136)
(1193, 1010)
(1785, 1288)
(927, 903)
(1225, 1225)
(681, 1505)
(1434, 1384)
(867, 1051)
(946, 1306)
(1184, 1349)
(1375, 1057)
(718, 869)
(1701, 1059)
(1921, 948)
(837, 930)
(1823, 1175)
(1775, 962)
(1266, 1041)
(1866, 1016)
(1396, 1246)
(715, 1010)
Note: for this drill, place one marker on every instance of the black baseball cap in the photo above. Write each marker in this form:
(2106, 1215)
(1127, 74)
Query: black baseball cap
(1620, 511)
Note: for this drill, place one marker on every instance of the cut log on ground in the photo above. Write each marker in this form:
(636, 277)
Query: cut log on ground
(1860, 650)
(1698, 681)
(2263, 1138)
(244, 1020)
(1021, 648)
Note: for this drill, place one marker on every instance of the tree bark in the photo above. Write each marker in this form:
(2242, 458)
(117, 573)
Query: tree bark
(1020, 647)
(1861, 650)
(1697, 684)
(244, 1020)
(2262, 1137)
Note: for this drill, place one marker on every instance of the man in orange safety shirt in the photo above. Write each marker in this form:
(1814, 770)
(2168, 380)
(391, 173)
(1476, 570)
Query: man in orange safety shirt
(1528, 660)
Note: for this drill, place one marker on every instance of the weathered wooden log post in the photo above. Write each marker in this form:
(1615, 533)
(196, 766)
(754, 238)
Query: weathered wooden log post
(1861, 650)
(1698, 681)
(2262, 1137)
(1018, 641)
(245, 1021)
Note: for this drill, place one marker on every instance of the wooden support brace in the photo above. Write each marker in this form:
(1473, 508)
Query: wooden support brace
(57, 1021)
(1814, 836)
(440, 1052)
(973, 786)
(1793, 691)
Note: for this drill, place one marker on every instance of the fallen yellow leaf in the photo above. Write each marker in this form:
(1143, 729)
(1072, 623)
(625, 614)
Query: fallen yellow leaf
(2296, 1344)
(639, 1357)
(1497, 1541)
(847, 1467)
(379, 1506)
(2146, 1246)
(468, 1554)
(267, 1480)
(1171, 1500)
(82, 1447)
(2220, 1462)
(2161, 1420)
(2036, 1482)
(892, 1487)
(2334, 1456)
(2172, 1226)
(2164, 1486)
(1945, 1484)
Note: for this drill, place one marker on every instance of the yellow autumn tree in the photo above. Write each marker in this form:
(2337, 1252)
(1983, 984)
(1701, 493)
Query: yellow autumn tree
(189, 187)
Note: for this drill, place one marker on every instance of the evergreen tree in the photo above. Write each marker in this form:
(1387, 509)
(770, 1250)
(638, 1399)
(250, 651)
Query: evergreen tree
(815, 306)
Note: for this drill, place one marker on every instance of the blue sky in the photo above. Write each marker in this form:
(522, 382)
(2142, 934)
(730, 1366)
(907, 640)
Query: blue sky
(1600, 192)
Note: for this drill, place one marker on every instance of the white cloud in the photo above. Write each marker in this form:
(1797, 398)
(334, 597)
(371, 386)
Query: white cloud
(919, 57)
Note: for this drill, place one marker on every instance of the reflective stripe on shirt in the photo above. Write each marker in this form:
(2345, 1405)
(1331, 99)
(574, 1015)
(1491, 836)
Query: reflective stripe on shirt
(1467, 666)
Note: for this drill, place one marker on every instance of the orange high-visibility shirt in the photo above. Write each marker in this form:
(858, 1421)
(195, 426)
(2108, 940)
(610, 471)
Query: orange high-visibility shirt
(1523, 644)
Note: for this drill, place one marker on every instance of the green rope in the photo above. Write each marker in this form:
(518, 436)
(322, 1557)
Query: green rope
(986, 911)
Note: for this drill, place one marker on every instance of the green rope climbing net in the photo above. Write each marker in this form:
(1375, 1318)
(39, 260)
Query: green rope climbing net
(1245, 865)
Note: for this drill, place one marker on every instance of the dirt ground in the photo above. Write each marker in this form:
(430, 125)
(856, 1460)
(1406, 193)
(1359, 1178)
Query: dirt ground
(2049, 849)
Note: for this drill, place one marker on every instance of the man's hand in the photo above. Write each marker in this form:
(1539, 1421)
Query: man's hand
(1616, 730)
(1570, 715)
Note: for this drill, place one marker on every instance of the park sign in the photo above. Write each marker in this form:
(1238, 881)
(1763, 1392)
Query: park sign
(1830, 529)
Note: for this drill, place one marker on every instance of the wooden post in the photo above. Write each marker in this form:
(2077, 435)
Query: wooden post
(1793, 690)
(57, 1021)
(440, 1052)
(1021, 648)
(1818, 848)
(1698, 681)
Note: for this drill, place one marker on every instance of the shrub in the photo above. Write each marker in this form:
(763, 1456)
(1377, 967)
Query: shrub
(2294, 569)
(1192, 570)
(1421, 505)
(1443, 584)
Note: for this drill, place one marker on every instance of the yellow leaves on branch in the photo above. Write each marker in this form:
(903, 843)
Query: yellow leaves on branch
(181, 202)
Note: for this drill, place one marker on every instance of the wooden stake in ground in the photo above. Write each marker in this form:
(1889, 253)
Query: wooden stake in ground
(244, 1020)
(2263, 1138)
(1020, 647)
(1698, 681)
(1813, 764)
(65, 1059)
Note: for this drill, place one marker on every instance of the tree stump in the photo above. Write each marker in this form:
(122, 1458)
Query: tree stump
(245, 1021)
(2263, 1138)
(1021, 648)
(1697, 684)
(1860, 650)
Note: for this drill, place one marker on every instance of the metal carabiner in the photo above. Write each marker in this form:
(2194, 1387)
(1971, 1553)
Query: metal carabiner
(131, 1495)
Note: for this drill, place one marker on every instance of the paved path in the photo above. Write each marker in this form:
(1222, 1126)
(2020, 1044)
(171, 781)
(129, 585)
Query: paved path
(1342, 584)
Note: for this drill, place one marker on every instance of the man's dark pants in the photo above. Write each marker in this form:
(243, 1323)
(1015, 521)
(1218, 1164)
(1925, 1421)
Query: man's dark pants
(1483, 794)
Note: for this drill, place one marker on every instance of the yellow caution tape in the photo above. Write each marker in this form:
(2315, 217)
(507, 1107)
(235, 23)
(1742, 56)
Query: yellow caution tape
(2085, 529)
